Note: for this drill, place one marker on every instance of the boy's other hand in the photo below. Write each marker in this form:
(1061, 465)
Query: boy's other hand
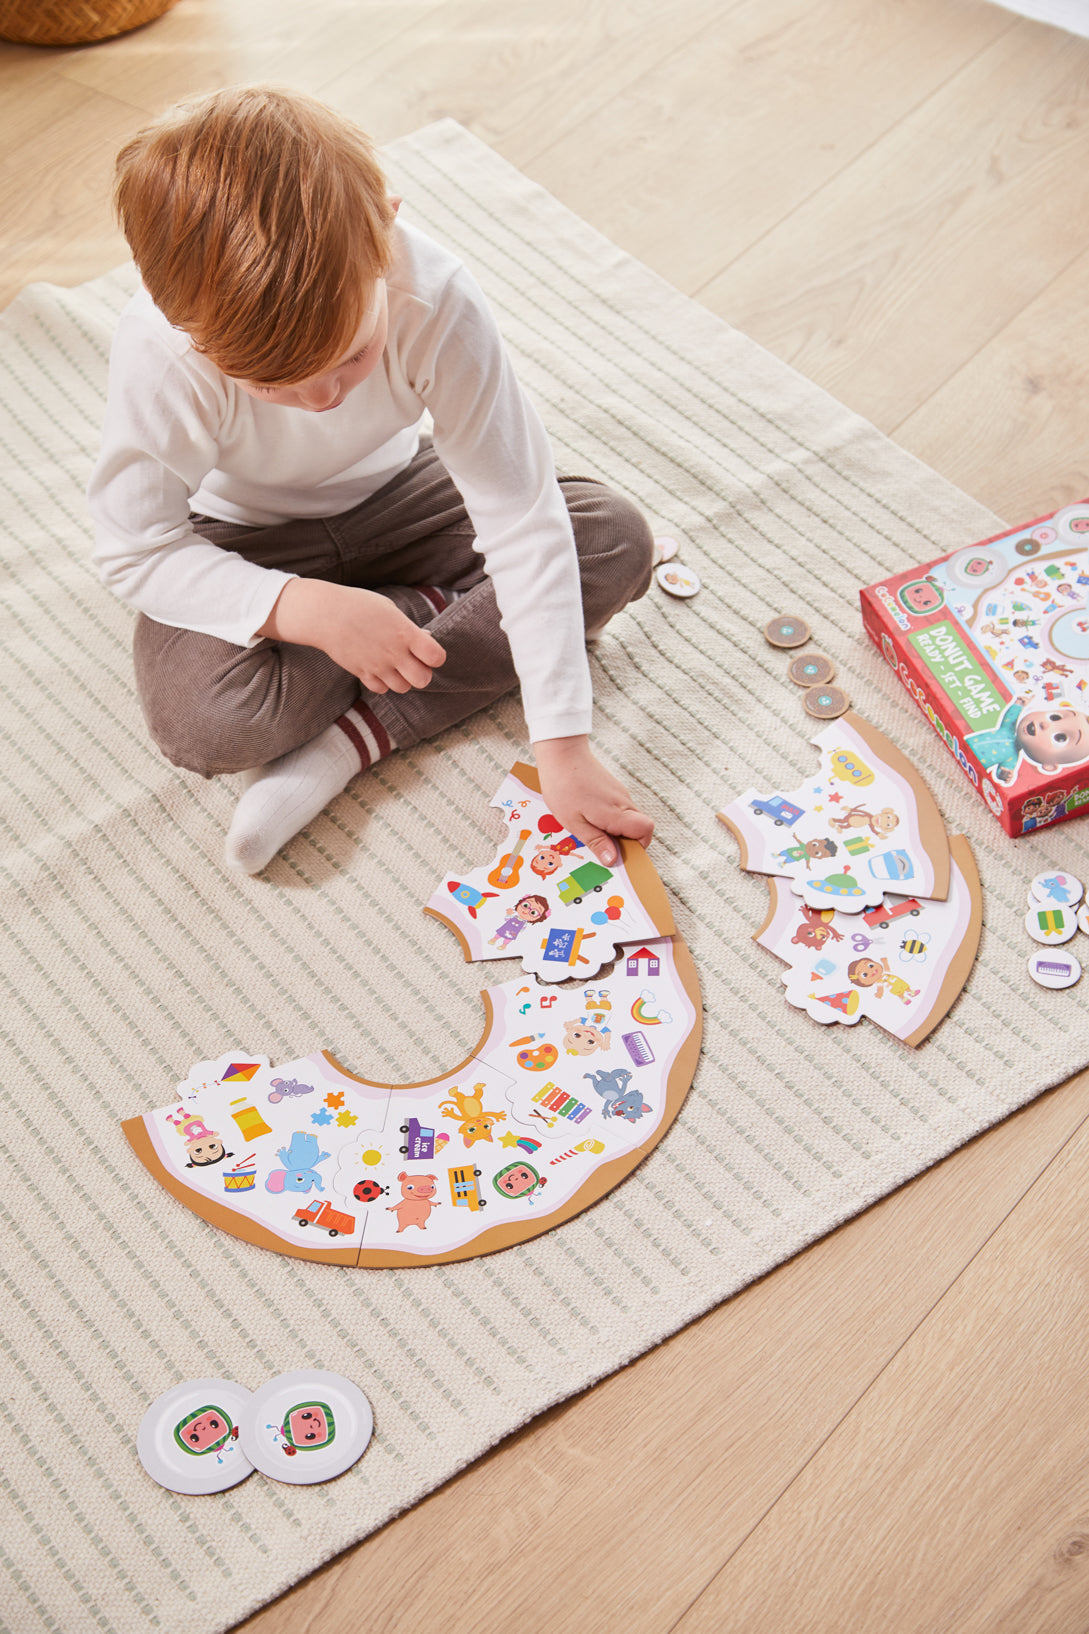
(360, 630)
(588, 800)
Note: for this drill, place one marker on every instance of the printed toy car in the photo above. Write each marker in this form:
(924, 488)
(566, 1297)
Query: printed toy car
(591, 876)
(324, 1214)
(421, 1141)
(780, 811)
(881, 918)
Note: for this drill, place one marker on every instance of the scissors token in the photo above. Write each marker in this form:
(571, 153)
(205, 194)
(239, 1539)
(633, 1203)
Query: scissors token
(786, 631)
(811, 669)
(189, 1438)
(307, 1426)
(676, 580)
(826, 702)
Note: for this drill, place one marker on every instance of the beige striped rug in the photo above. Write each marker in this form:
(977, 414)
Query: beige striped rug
(129, 954)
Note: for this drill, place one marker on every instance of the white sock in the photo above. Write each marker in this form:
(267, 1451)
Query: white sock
(288, 793)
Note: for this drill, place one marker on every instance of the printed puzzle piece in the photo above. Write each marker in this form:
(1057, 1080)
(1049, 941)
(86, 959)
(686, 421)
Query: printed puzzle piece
(565, 1093)
(863, 822)
(902, 963)
(547, 899)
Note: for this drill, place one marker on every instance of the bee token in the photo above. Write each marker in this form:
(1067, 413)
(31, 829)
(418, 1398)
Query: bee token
(1054, 969)
(811, 669)
(1057, 889)
(1051, 925)
(189, 1438)
(307, 1426)
(826, 702)
(786, 631)
(676, 580)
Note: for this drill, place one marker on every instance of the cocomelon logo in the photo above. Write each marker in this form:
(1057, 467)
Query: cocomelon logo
(922, 596)
(950, 739)
(886, 597)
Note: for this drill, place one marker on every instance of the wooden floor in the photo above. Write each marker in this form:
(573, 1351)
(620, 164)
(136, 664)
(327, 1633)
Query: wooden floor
(889, 1433)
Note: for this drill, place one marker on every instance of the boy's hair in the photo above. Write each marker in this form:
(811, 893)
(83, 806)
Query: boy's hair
(260, 221)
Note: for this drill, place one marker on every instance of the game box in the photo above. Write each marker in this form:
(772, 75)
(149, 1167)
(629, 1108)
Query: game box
(992, 643)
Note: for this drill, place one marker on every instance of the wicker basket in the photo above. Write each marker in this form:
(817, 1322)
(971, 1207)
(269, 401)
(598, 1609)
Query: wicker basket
(74, 22)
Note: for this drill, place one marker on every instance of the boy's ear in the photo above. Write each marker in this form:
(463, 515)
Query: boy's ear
(396, 200)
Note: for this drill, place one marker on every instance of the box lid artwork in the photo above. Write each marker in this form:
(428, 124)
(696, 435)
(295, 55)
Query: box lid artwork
(992, 643)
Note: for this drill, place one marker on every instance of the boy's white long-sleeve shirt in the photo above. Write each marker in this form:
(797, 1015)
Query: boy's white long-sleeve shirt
(180, 436)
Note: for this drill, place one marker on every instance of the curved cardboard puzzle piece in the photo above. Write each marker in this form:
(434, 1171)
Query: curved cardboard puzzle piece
(566, 1092)
(902, 964)
(864, 822)
(545, 898)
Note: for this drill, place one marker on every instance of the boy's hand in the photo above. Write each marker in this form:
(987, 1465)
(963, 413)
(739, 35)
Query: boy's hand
(361, 631)
(587, 799)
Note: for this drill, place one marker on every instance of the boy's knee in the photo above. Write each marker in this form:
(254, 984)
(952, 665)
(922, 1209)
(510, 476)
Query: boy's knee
(615, 544)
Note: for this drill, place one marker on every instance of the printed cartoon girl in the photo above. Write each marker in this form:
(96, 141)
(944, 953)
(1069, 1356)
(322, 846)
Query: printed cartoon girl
(202, 1145)
(530, 910)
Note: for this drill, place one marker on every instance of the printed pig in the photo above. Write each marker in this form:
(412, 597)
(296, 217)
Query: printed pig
(417, 1201)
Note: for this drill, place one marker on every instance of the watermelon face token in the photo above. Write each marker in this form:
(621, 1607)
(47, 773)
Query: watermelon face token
(189, 1440)
(307, 1426)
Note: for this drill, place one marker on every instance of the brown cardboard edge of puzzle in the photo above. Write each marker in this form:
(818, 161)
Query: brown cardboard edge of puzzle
(960, 966)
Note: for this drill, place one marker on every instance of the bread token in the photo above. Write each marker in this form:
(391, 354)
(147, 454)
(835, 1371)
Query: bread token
(826, 702)
(306, 1426)
(188, 1439)
(811, 669)
(1054, 969)
(786, 631)
(676, 580)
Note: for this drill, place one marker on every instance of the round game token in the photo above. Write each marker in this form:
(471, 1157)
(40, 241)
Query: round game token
(1051, 925)
(665, 548)
(189, 1438)
(1054, 969)
(1057, 889)
(786, 631)
(307, 1426)
(1083, 918)
(1027, 546)
(826, 702)
(811, 669)
(676, 580)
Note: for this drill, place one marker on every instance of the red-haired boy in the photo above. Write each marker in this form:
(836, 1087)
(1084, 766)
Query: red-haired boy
(316, 583)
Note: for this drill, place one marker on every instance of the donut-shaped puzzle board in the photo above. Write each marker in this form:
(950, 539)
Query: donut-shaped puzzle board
(567, 1090)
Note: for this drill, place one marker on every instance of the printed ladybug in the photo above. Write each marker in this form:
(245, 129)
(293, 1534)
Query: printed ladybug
(366, 1191)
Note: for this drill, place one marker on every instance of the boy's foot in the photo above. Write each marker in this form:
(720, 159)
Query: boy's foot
(281, 798)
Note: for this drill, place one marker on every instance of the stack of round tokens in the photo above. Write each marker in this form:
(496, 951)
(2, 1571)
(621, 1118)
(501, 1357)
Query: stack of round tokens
(811, 670)
(208, 1434)
(1053, 919)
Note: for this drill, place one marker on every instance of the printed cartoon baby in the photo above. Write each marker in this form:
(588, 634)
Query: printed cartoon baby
(1053, 738)
(878, 976)
(582, 1037)
(417, 1200)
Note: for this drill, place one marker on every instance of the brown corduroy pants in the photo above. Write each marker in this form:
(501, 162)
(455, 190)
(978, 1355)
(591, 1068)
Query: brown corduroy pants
(215, 707)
